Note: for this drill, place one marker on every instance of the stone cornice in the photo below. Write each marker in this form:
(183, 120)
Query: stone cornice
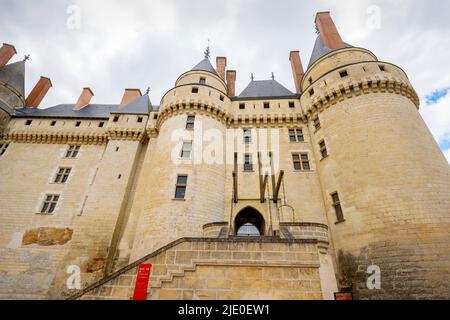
(355, 88)
(130, 134)
(23, 136)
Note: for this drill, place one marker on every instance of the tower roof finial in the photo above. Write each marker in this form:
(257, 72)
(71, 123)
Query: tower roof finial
(252, 77)
(26, 57)
(273, 76)
(207, 51)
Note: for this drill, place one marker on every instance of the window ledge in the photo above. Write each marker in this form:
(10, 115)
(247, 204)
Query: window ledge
(177, 199)
(339, 222)
(44, 214)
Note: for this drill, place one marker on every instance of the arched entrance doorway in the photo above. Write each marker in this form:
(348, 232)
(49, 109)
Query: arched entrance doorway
(249, 223)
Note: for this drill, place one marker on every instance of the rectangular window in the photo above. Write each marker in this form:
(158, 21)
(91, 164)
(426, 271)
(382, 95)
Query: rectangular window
(337, 207)
(323, 149)
(180, 188)
(28, 122)
(202, 81)
(301, 162)
(73, 151)
(53, 123)
(247, 135)
(382, 68)
(343, 74)
(292, 105)
(316, 123)
(62, 175)
(49, 205)
(194, 90)
(222, 98)
(140, 119)
(266, 105)
(296, 135)
(3, 147)
(101, 124)
(248, 163)
(311, 92)
(116, 119)
(242, 106)
(186, 150)
(78, 123)
(190, 123)
(310, 80)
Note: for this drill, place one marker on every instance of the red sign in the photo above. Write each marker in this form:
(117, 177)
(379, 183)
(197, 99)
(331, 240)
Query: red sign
(143, 275)
(342, 296)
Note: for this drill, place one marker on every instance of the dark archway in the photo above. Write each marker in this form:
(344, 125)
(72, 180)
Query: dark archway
(249, 223)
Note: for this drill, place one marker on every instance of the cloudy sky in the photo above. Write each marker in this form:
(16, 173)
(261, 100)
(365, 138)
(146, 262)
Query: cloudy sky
(111, 45)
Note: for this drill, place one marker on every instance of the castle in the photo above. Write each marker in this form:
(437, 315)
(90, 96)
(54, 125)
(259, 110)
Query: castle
(268, 194)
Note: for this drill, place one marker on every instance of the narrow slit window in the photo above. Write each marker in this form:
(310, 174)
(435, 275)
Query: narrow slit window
(62, 175)
(311, 92)
(323, 149)
(72, 151)
(78, 123)
(247, 136)
(186, 150)
(222, 98)
(337, 207)
(180, 187)
(3, 148)
(248, 163)
(190, 122)
(50, 202)
(316, 123)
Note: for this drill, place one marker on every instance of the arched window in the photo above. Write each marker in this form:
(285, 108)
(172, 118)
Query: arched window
(248, 230)
(249, 223)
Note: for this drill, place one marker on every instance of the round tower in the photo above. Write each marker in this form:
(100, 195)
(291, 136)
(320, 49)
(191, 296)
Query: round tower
(385, 181)
(186, 186)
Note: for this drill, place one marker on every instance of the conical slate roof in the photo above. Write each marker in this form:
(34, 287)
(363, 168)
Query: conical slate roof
(205, 65)
(265, 89)
(14, 75)
(320, 50)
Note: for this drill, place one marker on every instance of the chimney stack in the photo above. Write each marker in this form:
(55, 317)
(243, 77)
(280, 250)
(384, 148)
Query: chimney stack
(221, 64)
(38, 93)
(84, 99)
(328, 31)
(7, 51)
(129, 96)
(297, 69)
(231, 83)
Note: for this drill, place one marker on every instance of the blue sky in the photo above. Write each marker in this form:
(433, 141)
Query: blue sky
(144, 43)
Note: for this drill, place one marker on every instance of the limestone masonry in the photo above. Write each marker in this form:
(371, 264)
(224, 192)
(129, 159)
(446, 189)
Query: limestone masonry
(268, 194)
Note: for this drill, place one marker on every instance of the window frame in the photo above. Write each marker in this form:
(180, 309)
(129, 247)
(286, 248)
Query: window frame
(190, 122)
(297, 136)
(248, 136)
(194, 90)
(317, 123)
(300, 163)
(49, 204)
(323, 149)
(185, 150)
(181, 186)
(62, 175)
(291, 105)
(202, 80)
(343, 73)
(248, 162)
(266, 105)
(72, 151)
(337, 205)
(3, 148)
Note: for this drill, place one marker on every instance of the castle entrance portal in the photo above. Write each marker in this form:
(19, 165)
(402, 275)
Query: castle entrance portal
(249, 223)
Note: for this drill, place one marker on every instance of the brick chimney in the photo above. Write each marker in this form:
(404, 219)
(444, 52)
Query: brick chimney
(129, 96)
(328, 31)
(231, 83)
(297, 69)
(84, 99)
(7, 51)
(38, 93)
(221, 64)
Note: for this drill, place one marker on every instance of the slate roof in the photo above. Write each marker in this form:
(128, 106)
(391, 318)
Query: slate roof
(320, 50)
(14, 75)
(205, 65)
(141, 106)
(265, 89)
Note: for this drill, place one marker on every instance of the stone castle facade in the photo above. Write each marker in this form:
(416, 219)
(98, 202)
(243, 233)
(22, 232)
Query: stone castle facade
(268, 194)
